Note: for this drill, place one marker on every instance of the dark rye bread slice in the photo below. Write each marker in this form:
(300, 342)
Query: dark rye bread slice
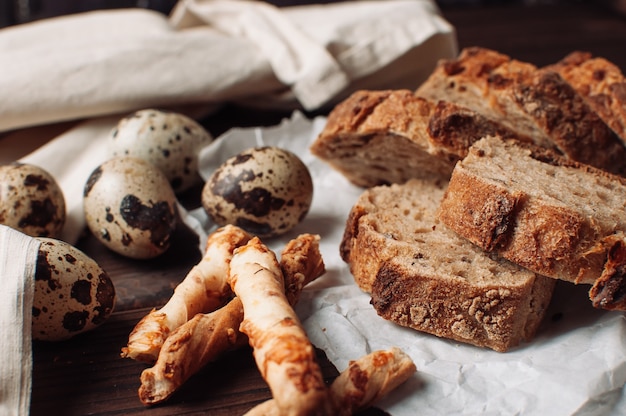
(601, 83)
(551, 215)
(382, 137)
(536, 103)
(423, 276)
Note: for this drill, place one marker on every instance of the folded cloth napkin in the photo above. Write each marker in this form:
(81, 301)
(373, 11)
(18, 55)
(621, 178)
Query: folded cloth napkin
(17, 266)
(211, 51)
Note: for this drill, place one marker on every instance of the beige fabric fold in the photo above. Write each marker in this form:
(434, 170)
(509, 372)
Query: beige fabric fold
(17, 267)
(215, 51)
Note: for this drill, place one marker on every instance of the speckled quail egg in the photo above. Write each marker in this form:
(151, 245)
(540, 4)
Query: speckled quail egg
(170, 141)
(31, 200)
(265, 190)
(130, 207)
(73, 294)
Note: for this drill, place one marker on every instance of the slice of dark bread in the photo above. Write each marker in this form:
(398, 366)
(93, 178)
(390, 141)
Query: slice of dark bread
(534, 102)
(601, 83)
(383, 137)
(549, 214)
(424, 276)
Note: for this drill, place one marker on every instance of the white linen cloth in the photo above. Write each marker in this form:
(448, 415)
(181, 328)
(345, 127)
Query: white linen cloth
(212, 51)
(17, 267)
(98, 66)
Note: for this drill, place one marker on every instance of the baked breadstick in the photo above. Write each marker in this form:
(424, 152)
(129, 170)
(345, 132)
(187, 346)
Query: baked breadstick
(368, 379)
(204, 289)
(207, 336)
(189, 348)
(281, 348)
(365, 381)
(301, 262)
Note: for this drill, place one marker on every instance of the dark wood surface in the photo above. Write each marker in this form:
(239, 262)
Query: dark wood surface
(86, 375)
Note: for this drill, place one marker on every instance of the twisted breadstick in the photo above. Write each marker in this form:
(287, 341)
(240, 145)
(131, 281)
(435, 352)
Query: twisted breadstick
(207, 336)
(204, 289)
(281, 348)
(360, 385)
(368, 379)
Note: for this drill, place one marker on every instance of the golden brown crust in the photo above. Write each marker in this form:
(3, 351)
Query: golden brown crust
(536, 103)
(576, 130)
(425, 277)
(455, 128)
(495, 317)
(376, 137)
(565, 222)
(601, 83)
(382, 137)
(486, 221)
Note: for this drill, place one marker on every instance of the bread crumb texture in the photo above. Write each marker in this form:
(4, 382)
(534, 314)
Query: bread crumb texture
(424, 276)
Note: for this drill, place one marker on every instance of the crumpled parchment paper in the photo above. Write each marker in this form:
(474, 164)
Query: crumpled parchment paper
(576, 365)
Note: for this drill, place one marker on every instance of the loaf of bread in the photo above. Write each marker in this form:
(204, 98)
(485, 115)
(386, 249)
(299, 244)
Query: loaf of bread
(601, 83)
(423, 276)
(537, 103)
(551, 215)
(383, 137)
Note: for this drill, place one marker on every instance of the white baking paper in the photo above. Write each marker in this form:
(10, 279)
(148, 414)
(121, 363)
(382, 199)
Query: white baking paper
(576, 365)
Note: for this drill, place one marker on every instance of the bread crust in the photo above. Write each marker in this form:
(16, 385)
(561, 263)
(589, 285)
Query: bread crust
(495, 317)
(538, 225)
(536, 103)
(425, 277)
(601, 83)
(378, 137)
(383, 137)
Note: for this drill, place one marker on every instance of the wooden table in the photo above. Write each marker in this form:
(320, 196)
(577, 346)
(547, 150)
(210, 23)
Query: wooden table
(87, 376)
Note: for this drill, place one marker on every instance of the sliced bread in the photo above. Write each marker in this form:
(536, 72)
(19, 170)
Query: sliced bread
(423, 276)
(383, 137)
(551, 215)
(535, 102)
(601, 83)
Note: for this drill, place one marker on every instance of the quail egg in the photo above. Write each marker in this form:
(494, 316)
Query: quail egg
(168, 140)
(31, 200)
(265, 190)
(130, 207)
(73, 294)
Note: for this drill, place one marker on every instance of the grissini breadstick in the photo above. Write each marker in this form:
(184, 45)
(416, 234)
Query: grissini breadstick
(191, 346)
(365, 381)
(301, 262)
(368, 379)
(281, 348)
(207, 336)
(204, 289)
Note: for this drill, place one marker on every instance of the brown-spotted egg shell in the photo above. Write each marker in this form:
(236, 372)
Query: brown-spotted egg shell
(31, 200)
(266, 191)
(171, 141)
(72, 295)
(130, 207)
